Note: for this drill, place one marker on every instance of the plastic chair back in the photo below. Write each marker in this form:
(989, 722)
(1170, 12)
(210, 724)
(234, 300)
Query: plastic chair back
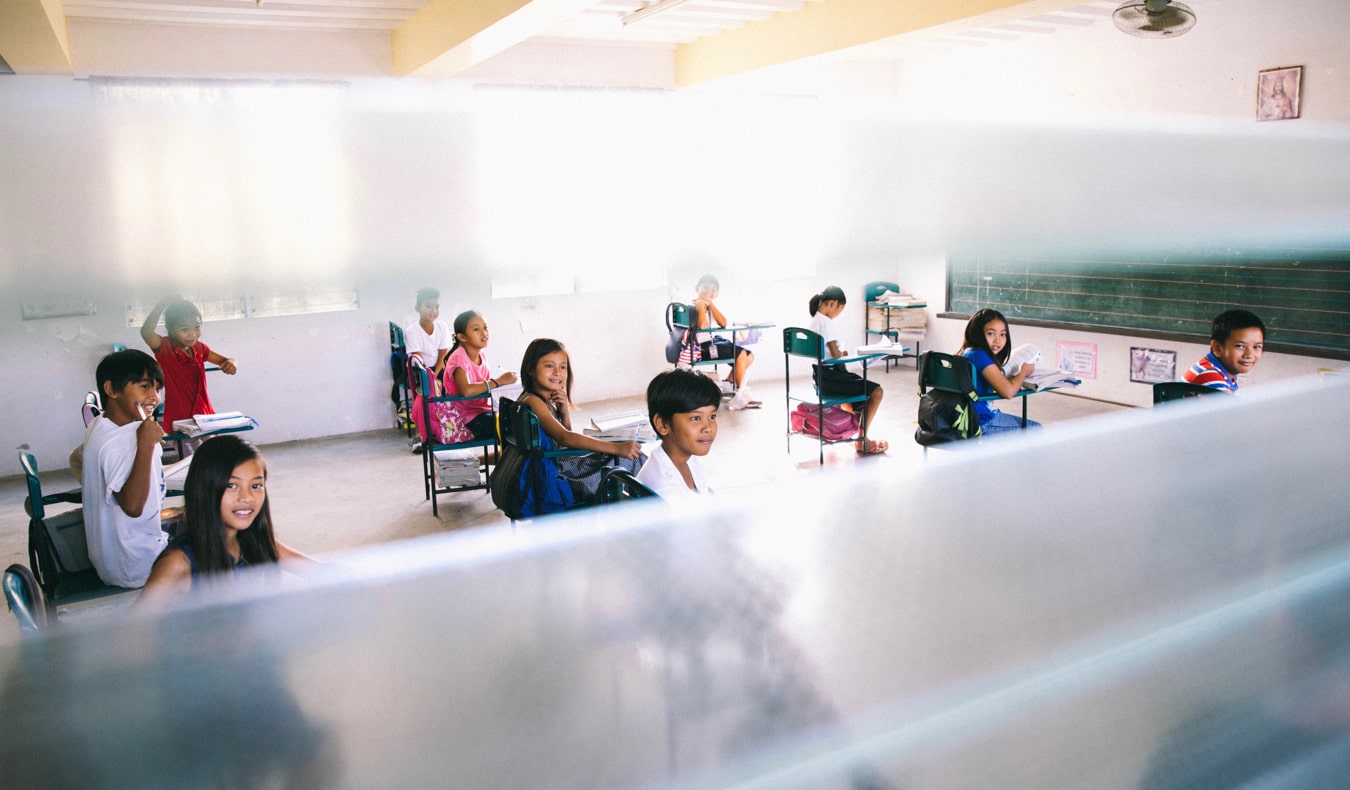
(679, 316)
(25, 599)
(948, 373)
(872, 290)
(1165, 391)
(800, 342)
(619, 485)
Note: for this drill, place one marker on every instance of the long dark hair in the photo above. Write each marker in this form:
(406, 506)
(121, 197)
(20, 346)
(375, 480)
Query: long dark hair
(461, 326)
(975, 334)
(831, 294)
(207, 477)
(539, 348)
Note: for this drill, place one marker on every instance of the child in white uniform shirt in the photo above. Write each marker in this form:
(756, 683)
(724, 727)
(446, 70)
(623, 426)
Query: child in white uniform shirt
(682, 406)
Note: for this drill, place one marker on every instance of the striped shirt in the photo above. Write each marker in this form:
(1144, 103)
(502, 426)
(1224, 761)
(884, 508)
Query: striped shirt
(1210, 372)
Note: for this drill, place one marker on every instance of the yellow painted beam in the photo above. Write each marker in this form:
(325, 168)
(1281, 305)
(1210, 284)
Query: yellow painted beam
(834, 25)
(33, 36)
(448, 36)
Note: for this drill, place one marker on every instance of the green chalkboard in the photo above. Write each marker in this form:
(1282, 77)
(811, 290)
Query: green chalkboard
(1303, 296)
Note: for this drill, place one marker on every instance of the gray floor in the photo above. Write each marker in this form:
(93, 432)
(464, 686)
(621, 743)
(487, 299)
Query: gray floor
(344, 492)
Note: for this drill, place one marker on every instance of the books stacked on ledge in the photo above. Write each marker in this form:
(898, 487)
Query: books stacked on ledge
(202, 424)
(630, 426)
(456, 468)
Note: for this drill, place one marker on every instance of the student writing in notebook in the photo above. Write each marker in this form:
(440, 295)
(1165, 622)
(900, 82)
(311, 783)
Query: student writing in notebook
(835, 380)
(1236, 340)
(987, 346)
(682, 406)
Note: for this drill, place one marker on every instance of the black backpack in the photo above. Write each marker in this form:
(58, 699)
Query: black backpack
(947, 399)
(945, 417)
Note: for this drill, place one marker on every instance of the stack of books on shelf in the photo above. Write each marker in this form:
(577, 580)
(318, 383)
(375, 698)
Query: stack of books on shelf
(456, 468)
(893, 299)
(200, 424)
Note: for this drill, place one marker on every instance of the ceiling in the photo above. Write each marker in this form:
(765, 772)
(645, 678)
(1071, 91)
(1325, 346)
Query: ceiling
(709, 39)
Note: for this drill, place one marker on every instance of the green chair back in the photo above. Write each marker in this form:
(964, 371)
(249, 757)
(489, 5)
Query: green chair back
(619, 485)
(948, 373)
(872, 290)
(1165, 391)
(800, 342)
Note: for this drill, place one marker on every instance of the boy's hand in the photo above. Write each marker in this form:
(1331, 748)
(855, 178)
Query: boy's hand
(506, 378)
(149, 433)
(227, 366)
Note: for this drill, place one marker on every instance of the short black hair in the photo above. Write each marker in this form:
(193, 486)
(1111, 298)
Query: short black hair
(678, 391)
(425, 295)
(178, 311)
(1230, 321)
(121, 368)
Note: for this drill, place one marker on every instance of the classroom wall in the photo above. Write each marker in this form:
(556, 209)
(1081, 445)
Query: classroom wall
(576, 214)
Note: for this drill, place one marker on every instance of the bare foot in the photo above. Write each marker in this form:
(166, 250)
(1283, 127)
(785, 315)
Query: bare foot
(873, 447)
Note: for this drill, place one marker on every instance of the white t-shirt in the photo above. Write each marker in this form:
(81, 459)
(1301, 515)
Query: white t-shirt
(824, 326)
(415, 339)
(121, 548)
(660, 475)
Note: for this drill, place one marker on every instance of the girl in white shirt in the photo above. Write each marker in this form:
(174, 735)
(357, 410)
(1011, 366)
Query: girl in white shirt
(834, 381)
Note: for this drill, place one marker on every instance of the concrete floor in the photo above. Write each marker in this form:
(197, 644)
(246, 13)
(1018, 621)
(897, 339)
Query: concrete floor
(344, 492)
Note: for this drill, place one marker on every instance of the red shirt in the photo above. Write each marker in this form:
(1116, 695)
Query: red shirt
(184, 381)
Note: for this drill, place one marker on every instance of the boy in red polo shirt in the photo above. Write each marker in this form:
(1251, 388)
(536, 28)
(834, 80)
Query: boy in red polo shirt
(183, 357)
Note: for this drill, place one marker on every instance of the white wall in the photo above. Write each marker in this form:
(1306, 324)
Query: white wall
(112, 194)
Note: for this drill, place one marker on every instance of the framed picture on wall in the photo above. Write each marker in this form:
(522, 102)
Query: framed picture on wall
(1278, 92)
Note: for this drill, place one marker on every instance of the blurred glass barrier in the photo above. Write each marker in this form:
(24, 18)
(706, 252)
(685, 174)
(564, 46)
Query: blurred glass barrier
(1159, 598)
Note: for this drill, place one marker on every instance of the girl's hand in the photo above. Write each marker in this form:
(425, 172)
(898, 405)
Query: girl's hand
(559, 400)
(629, 450)
(1027, 369)
(227, 366)
(506, 378)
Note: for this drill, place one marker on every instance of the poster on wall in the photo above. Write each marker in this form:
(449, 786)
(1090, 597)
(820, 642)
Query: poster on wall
(1077, 358)
(1152, 365)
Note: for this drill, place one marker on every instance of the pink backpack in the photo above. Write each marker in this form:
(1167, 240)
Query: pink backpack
(839, 423)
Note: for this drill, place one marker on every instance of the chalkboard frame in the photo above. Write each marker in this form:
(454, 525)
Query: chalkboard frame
(1303, 295)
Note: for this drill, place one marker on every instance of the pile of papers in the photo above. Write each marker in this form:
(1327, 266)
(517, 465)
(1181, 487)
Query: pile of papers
(1051, 379)
(455, 468)
(894, 299)
(630, 426)
(201, 424)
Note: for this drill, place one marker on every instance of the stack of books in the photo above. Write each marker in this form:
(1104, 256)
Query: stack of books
(630, 426)
(1051, 379)
(201, 424)
(455, 468)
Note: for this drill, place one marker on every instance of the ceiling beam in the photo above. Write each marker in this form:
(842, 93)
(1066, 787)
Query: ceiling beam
(33, 37)
(835, 25)
(449, 36)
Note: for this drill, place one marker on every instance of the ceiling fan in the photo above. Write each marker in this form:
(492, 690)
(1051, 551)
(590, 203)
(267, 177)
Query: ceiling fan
(1153, 18)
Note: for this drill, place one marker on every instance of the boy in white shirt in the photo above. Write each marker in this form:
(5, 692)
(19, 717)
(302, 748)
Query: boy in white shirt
(123, 474)
(682, 406)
